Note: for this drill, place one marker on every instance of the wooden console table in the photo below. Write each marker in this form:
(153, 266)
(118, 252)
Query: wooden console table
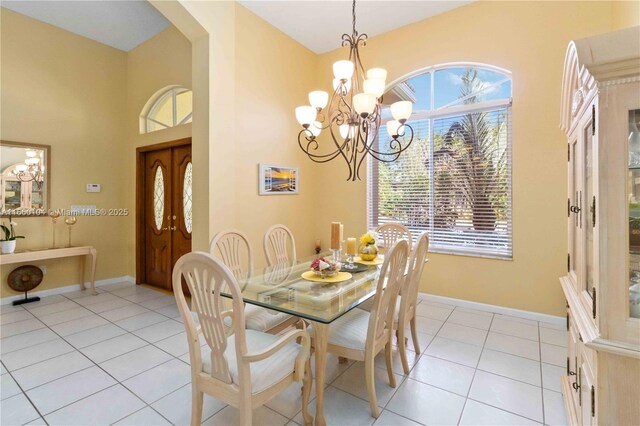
(33, 255)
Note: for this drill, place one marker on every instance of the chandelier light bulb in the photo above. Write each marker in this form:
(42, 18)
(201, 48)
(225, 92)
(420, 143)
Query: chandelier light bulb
(374, 86)
(21, 168)
(315, 128)
(31, 153)
(364, 104)
(344, 130)
(318, 99)
(401, 110)
(377, 74)
(306, 115)
(31, 161)
(343, 70)
(393, 128)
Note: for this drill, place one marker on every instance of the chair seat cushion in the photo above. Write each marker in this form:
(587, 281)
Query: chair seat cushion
(262, 319)
(265, 373)
(350, 330)
(366, 306)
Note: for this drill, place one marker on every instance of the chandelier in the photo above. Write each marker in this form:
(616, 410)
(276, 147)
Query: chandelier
(31, 170)
(353, 116)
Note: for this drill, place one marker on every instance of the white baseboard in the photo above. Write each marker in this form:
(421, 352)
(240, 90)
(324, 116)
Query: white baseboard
(68, 288)
(534, 316)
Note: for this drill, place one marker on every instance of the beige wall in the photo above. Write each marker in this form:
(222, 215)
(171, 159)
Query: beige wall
(625, 14)
(529, 39)
(273, 75)
(68, 92)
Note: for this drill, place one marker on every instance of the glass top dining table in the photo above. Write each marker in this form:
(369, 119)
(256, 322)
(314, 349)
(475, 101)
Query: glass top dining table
(281, 288)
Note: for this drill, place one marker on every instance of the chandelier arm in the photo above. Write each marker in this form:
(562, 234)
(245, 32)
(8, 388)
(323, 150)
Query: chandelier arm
(340, 148)
(312, 144)
(395, 142)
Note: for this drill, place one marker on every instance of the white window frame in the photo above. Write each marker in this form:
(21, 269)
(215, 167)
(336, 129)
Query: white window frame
(453, 111)
(152, 105)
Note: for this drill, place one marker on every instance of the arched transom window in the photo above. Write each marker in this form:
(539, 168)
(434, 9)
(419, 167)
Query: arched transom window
(454, 181)
(169, 107)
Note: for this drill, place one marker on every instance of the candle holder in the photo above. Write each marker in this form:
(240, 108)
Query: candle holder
(70, 221)
(350, 265)
(335, 255)
(54, 215)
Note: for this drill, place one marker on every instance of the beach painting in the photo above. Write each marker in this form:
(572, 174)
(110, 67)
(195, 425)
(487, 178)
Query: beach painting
(278, 179)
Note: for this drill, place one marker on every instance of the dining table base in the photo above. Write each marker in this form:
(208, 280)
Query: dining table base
(321, 334)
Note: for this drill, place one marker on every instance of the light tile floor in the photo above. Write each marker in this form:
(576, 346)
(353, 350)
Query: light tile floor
(121, 358)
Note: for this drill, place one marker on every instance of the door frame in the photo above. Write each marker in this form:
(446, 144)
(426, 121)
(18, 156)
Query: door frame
(141, 244)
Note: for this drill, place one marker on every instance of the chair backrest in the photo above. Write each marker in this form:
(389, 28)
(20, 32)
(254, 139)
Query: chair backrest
(279, 245)
(206, 277)
(382, 312)
(409, 291)
(389, 233)
(233, 248)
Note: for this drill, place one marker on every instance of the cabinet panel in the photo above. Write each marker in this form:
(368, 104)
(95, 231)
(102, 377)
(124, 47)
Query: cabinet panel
(587, 395)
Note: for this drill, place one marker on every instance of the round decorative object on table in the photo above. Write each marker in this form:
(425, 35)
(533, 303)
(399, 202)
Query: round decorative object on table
(337, 278)
(368, 252)
(377, 261)
(23, 279)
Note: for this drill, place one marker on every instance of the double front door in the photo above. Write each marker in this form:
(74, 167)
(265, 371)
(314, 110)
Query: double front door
(165, 189)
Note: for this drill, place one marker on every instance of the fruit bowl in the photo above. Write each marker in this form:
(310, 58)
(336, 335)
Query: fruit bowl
(324, 267)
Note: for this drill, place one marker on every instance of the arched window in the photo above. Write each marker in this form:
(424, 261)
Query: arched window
(454, 181)
(170, 107)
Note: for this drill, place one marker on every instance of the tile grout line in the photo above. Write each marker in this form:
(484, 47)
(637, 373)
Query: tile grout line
(330, 385)
(118, 382)
(151, 344)
(541, 378)
(475, 371)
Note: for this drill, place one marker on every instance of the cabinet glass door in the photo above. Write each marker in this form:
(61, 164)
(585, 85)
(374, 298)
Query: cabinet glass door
(574, 217)
(588, 207)
(633, 192)
(12, 194)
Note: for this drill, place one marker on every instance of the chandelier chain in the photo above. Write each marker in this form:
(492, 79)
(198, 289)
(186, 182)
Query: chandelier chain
(353, 14)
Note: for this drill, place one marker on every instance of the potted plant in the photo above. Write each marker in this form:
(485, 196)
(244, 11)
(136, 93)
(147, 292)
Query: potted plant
(8, 242)
(368, 249)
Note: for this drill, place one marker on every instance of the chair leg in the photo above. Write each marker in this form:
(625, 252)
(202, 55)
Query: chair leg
(414, 336)
(387, 355)
(369, 374)
(246, 412)
(402, 348)
(196, 405)
(306, 394)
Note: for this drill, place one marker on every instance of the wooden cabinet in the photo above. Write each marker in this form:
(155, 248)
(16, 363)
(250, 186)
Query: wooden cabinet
(600, 114)
(18, 195)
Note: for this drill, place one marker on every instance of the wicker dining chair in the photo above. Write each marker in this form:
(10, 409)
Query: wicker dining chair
(406, 308)
(233, 249)
(360, 335)
(243, 368)
(389, 233)
(279, 245)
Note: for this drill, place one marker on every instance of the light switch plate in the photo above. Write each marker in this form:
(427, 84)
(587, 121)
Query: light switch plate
(93, 187)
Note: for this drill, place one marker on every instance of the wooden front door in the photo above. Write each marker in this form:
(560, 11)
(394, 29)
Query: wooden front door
(164, 210)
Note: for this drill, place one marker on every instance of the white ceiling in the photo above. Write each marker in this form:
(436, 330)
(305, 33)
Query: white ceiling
(318, 25)
(120, 24)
